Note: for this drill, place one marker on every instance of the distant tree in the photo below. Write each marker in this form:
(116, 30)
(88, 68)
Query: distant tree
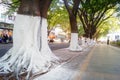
(72, 8)
(57, 14)
(93, 12)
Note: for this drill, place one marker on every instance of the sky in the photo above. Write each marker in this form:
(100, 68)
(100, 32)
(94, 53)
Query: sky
(2, 9)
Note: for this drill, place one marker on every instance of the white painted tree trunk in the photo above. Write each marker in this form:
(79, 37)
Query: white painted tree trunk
(84, 42)
(30, 52)
(91, 42)
(44, 48)
(74, 45)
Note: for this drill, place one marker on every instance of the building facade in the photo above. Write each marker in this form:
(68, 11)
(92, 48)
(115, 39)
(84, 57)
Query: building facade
(6, 25)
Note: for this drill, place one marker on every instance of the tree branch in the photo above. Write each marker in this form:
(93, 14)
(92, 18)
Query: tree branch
(75, 6)
(82, 20)
(67, 6)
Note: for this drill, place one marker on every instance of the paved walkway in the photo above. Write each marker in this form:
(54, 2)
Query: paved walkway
(66, 70)
(102, 63)
(99, 63)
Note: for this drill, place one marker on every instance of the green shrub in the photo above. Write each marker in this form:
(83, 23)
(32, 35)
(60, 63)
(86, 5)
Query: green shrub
(115, 43)
(118, 43)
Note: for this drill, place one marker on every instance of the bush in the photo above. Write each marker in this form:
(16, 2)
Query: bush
(118, 43)
(115, 43)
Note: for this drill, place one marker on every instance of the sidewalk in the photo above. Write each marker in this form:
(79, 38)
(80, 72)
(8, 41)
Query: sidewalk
(66, 70)
(66, 54)
(102, 63)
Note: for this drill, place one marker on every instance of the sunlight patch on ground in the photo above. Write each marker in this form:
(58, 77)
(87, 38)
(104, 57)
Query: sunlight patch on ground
(59, 73)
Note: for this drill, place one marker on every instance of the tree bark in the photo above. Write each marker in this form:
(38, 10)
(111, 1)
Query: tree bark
(34, 7)
(73, 23)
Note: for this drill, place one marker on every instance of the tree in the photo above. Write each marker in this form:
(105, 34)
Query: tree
(57, 14)
(93, 12)
(72, 8)
(12, 5)
(80, 31)
(110, 24)
(53, 14)
(30, 55)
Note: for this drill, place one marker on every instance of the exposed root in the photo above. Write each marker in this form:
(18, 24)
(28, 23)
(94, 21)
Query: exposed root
(30, 54)
(29, 62)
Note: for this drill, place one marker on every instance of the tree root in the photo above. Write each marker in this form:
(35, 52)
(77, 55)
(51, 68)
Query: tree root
(25, 64)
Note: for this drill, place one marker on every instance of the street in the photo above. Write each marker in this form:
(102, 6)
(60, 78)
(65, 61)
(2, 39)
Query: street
(4, 48)
(54, 46)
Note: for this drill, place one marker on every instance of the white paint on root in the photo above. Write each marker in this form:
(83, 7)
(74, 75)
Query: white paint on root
(30, 52)
(74, 44)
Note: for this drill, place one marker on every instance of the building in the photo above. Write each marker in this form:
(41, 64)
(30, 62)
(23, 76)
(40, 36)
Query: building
(114, 36)
(6, 25)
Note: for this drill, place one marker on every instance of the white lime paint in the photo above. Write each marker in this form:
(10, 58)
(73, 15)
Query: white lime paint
(30, 52)
(74, 45)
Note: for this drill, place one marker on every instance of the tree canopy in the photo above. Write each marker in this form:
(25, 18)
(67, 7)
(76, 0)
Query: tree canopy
(57, 15)
(93, 12)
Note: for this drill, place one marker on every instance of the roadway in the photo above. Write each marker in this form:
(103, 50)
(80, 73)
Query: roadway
(54, 46)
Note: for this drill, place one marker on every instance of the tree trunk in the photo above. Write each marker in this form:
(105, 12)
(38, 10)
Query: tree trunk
(74, 44)
(73, 23)
(30, 53)
(90, 35)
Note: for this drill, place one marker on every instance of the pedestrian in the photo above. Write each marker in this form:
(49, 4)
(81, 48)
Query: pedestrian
(5, 38)
(108, 41)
